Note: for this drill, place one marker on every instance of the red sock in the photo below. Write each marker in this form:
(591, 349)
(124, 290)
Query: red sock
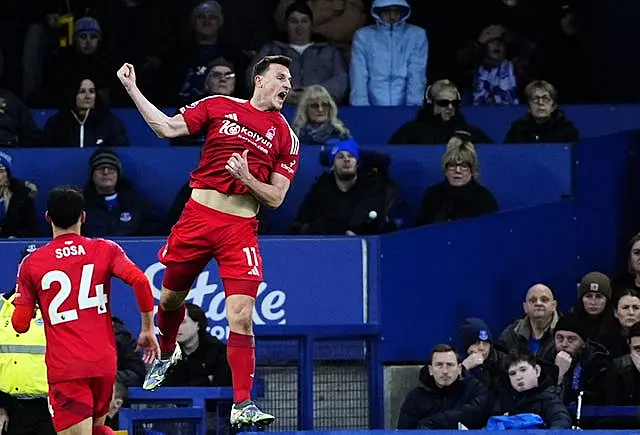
(102, 430)
(241, 354)
(169, 323)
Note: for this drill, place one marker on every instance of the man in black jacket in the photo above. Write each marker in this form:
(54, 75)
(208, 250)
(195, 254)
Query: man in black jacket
(582, 363)
(482, 359)
(444, 398)
(204, 363)
(353, 198)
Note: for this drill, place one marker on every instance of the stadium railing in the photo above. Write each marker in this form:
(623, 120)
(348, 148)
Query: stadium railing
(161, 421)
(174, 400)
(298, 349)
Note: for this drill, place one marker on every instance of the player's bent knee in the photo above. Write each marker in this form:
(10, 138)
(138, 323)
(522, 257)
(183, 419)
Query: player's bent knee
(239, 313)
(241, 297)
(171, 300)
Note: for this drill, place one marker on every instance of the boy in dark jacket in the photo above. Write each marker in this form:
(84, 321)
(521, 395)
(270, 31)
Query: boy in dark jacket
(531, 390)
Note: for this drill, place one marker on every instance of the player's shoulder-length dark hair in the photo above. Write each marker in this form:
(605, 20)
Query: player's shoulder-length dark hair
(264, 63)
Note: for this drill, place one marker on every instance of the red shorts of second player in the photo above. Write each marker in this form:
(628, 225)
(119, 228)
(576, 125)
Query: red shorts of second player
(203, 233)
(73, 401)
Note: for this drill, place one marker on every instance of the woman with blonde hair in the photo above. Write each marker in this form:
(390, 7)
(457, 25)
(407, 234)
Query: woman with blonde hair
(459, 195)
(316, 120)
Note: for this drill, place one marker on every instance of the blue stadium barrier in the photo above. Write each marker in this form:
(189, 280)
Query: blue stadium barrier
(305, 295)
(159, 174)
(440, 274)
(191, 397)
(591, 121)
(162, 421)
(306, 337)
(610, 411)
(396, 276)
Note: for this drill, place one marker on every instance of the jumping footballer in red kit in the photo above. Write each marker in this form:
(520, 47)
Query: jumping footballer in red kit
(70, 280)
(250, 156)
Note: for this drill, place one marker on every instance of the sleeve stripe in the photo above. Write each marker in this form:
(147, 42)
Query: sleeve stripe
(295, 142)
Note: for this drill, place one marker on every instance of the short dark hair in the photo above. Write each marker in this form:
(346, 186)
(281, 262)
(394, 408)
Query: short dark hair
(264, 63)
(514, 357)
(65, 206)
(442, 348)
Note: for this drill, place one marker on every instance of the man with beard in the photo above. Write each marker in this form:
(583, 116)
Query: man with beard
(354, 197)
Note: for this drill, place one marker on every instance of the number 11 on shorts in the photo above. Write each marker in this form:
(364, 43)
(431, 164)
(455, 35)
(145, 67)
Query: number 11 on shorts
(252, 256)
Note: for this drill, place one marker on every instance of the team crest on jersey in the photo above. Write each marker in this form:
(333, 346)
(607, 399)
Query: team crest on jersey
(271, 133)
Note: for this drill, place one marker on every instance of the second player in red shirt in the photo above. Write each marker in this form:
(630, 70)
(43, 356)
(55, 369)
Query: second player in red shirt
(70, 279)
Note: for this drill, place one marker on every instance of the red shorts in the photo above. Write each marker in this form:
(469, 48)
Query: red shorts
(73, 401)
(203, 233)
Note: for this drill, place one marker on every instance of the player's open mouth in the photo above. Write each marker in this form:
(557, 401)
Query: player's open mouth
(282, 95)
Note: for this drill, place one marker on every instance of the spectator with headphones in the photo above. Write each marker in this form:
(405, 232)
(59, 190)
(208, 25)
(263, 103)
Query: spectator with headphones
(438, 119)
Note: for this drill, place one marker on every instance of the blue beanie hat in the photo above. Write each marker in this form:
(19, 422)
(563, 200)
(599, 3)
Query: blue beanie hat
(86, 25)
(348, 145)
(472, 330)
(5, 160)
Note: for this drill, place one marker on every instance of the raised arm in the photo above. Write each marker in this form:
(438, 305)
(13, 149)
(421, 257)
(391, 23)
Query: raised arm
(163, 126)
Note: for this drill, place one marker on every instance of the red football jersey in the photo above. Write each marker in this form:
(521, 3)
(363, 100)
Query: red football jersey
(70, 279)
(234, 125)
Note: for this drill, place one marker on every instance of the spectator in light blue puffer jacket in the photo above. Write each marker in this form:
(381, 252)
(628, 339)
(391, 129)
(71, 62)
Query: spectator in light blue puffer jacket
(389, 59)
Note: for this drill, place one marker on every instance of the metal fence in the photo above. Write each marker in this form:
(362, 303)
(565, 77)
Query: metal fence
(311, 378)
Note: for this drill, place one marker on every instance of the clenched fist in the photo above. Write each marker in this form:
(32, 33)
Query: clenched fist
(127, 76)
(563, 361)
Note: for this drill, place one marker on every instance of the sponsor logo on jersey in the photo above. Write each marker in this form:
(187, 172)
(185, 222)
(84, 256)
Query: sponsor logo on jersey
(232, 128)
(288, 166)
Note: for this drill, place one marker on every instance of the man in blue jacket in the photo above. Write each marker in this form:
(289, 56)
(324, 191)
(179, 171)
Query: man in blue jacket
(389, 59)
